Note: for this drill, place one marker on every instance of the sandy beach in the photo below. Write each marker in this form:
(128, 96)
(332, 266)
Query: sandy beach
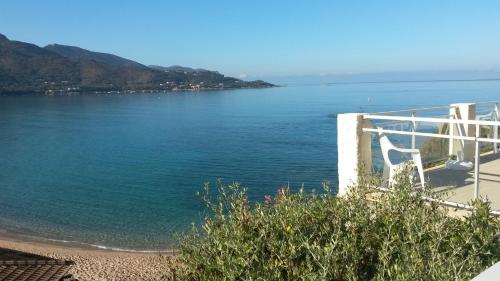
(95, 264)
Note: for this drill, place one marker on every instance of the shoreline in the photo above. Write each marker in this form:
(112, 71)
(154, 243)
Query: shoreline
(94, 263)
(20, 237)
(128, 92)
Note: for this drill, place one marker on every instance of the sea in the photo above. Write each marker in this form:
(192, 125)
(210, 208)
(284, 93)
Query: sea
(122, 171)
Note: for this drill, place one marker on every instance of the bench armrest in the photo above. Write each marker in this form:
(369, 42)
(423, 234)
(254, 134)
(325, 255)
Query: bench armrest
(407, 150)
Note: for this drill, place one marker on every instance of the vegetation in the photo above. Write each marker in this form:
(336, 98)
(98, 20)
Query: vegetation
(364, 235)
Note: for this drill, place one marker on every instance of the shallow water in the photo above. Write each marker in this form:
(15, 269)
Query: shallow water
(122, 171)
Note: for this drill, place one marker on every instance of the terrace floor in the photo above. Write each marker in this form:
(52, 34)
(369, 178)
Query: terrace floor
(459, 185)
(23, 266)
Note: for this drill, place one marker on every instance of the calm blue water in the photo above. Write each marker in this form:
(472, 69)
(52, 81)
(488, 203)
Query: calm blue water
(123, 171)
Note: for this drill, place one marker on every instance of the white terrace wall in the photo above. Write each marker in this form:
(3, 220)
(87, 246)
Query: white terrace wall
(354, 148)
(463, 111)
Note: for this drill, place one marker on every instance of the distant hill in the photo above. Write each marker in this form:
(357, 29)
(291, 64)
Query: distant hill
(24, 65)
(77, 54)
(179, 68)
(59, 69)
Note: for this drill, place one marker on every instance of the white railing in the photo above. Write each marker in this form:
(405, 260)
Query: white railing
(414, 124)
(453, 121)
(493, 114)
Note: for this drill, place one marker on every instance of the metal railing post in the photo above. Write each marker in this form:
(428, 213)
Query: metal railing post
(452, 126)
(476, 163)
(495, 128)
(413, 129)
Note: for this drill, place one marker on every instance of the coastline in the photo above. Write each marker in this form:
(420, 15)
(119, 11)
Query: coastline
(21, 237)
(92, 263)
(128, 92)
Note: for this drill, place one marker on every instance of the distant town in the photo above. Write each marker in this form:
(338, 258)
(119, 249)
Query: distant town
(66, 88)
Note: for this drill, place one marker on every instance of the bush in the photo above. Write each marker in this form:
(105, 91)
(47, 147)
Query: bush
(364, 235)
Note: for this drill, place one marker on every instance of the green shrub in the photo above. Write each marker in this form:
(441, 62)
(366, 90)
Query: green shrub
(364, 235)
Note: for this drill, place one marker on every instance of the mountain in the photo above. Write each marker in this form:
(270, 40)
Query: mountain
(179, 68)
(60, 69)
(23, 65)
(209, 78)
(77, 54)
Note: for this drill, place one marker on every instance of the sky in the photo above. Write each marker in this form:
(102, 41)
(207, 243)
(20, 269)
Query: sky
(273, 37)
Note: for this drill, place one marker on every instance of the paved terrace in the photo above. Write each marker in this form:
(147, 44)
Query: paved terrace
(459, 185)
(23, 266)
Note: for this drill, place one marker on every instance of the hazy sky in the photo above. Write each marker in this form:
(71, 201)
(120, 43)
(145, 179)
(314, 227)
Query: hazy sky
(271, 37)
